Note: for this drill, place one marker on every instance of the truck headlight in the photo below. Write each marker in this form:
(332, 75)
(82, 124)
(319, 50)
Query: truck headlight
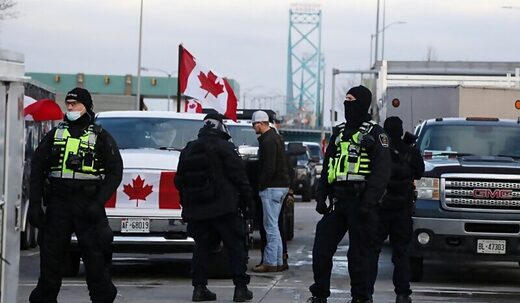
(427, 188)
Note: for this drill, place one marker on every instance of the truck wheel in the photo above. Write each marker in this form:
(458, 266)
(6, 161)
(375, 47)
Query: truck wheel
(71, 264)
(306, 192)
(289, 219)
(416, 269)
(313, 191)
(218, 267)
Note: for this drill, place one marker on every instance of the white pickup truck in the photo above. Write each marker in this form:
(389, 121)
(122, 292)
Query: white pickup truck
(144, 213)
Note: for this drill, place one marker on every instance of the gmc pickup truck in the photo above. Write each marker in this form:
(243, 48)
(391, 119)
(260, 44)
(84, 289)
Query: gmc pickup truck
(468, 201)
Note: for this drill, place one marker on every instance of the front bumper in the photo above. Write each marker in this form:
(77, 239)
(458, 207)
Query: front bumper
(166, 235)
(455, 234)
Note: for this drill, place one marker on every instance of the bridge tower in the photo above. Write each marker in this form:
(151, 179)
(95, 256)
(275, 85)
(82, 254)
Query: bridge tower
(305, 64)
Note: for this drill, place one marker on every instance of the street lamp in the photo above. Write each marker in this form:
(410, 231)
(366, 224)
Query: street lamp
(372, 36)
(147, 69)
(383, 33)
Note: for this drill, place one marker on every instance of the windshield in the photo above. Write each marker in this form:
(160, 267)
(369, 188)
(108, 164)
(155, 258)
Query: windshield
(143, 132)
(315, 151)
(243, 135)
(481, 140)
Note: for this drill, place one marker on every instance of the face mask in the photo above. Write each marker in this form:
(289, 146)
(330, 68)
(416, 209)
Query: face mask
(73, 116)
(354, 113)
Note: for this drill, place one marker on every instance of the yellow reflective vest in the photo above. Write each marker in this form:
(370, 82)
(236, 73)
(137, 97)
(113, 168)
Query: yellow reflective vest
(82, 148)
(351, 161)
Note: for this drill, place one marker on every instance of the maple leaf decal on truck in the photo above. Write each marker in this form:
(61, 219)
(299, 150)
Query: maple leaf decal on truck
(210, 84)
(137, 191)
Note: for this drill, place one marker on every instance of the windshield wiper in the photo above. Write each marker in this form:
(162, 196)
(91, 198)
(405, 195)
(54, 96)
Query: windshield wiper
(170, 148)
(447, 153)
(508, 155)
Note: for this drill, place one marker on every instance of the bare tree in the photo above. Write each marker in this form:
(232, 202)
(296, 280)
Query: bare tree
(6, 10)
(431, 54)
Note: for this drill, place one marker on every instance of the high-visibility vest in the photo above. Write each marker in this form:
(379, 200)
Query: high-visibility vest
(83, 148)
(351, 161)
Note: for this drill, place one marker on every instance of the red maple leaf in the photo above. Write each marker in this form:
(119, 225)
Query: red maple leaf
(137, 191)
(210, 84)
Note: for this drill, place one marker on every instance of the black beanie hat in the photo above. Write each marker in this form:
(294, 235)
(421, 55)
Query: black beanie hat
(215, 116)
(214, 120)
(363, 95)
(394, 127)
(82, 96)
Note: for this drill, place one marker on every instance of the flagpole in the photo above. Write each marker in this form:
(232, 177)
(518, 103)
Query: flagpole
(138, 97)
(179, 79)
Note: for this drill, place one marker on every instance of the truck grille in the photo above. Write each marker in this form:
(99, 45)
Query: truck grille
(486, 193)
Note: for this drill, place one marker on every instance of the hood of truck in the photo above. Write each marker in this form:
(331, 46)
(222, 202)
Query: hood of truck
(471, 164)
(150, 159)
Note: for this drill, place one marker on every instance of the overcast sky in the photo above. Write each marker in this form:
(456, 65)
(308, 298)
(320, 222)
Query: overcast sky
(247, 39)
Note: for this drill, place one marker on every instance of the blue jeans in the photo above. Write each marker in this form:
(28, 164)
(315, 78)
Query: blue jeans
(272, 199)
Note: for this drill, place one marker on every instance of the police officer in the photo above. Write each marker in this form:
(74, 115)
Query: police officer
(397, 206)
(75, 169)
(355, 172)
(213, 186)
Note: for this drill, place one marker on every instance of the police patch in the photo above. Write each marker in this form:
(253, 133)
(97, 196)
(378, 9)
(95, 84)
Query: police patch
(383, 138)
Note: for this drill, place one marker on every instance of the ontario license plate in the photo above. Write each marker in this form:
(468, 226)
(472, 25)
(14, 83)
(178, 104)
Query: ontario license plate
(135, 225)
(497, 247)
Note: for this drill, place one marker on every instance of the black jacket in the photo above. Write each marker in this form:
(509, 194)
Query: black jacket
(106, 150)
(407, 165)
(380, 162)
(211, 177)
(273, 166)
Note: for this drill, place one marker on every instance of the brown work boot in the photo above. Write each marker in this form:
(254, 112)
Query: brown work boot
(265, 268)
(285, 265)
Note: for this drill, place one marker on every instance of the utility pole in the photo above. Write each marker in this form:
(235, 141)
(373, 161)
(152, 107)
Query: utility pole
(377, 34)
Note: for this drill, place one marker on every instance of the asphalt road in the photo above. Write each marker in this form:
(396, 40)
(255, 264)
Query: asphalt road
(166, 278)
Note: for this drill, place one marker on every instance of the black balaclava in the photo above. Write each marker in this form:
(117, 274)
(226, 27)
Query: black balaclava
(356, 112)
(394, 128)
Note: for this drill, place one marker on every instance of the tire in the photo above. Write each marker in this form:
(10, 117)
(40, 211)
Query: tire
(218, 267)
(28, 237)
(416, 269)
(71, 264)
(289, 219)
(315, 189)
(306, 192)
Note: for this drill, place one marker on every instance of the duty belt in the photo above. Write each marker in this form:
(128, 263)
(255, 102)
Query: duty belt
(342, 189)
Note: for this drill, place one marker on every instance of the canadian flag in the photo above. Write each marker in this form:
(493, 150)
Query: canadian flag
(206, 86)
(146, 190)
(192, 106)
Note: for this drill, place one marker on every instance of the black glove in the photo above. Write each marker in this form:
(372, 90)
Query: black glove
(95, 211)
(321, 206)
(36, 215)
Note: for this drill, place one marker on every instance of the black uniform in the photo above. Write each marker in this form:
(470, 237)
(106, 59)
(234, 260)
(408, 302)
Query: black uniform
(213, 186)
(353, 208)
(74, 206)
(397, 205)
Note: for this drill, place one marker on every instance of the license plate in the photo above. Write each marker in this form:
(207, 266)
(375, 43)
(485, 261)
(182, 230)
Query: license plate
(135, 225)
(497, 247)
